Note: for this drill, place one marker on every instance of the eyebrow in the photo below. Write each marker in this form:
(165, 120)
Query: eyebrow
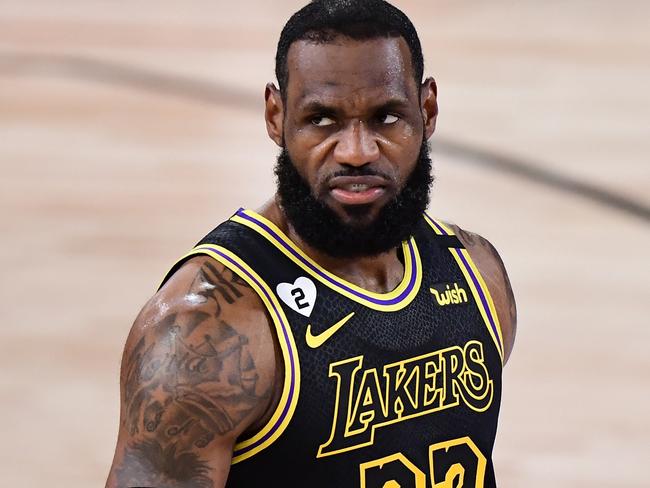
(317, 105)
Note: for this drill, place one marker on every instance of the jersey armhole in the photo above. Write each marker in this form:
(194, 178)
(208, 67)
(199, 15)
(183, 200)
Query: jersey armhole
(283, 413)
(477, 285)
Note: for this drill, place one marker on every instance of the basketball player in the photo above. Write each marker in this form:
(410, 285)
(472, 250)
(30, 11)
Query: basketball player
(338, 336)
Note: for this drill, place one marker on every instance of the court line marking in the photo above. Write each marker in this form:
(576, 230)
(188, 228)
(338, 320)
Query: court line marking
(212, 92)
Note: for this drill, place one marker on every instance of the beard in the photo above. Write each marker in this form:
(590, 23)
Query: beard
(323, 229)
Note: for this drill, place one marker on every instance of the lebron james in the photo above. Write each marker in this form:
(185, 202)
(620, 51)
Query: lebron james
(338, 336)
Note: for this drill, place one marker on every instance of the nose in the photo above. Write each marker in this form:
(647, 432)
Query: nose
(356, 145)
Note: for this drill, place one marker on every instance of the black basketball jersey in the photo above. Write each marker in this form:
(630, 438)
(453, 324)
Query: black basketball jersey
(380, 389)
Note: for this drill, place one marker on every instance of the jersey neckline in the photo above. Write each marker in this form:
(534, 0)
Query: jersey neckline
(393, 300)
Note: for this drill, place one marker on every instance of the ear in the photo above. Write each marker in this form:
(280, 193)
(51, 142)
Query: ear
(429, 105)
(274, 113)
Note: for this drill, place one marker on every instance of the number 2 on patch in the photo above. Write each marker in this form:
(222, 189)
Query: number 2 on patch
(299, 297)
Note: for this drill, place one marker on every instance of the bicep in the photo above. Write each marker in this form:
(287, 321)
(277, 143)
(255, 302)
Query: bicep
(192, 381)
(178, 419)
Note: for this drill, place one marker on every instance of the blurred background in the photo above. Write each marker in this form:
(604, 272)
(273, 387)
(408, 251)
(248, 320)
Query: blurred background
(129, 129)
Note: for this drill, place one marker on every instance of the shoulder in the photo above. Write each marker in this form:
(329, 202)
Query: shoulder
(208, 312)
(493, 270)
(198, 371)
(205, 303)
(207, 308)
(203, 298)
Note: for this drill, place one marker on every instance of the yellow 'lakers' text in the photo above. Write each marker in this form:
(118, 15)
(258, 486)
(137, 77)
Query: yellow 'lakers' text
(367, 400)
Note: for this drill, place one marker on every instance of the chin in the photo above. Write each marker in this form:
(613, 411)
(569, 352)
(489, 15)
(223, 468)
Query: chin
(357, 215)
(361, 215)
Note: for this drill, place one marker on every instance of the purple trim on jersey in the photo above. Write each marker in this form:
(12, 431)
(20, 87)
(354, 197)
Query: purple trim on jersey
(377, 301)
(291, 356)
(441, 229)
(482, 295)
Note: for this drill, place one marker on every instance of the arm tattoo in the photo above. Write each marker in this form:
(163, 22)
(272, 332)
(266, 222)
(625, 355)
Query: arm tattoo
(184, 389)
(212, 285)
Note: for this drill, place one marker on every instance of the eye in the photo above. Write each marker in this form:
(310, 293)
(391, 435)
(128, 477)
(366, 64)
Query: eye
(388, 119)
(322, 121)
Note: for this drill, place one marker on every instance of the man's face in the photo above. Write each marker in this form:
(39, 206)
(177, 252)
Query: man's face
(354, 132)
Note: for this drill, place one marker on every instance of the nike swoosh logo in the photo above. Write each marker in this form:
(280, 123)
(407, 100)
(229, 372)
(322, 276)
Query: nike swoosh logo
(315, 341)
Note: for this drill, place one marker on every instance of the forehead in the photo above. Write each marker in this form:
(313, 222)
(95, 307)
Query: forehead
(350, 69)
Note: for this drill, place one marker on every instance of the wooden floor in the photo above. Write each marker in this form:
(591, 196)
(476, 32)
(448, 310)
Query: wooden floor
(128, 129)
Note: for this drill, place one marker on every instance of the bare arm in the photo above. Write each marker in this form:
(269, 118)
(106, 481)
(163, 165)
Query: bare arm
(198, 370)
(494, 272)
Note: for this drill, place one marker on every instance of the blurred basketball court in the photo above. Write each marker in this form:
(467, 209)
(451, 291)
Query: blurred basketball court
(129, 129)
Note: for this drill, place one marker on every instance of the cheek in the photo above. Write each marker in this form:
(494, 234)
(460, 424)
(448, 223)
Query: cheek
(308, 153)
(403, 153)
(302, 158)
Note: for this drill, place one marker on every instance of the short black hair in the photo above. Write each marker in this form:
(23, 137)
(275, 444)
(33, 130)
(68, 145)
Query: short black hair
(322, 21)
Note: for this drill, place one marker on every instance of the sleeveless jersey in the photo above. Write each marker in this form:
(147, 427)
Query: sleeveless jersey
(398, 389)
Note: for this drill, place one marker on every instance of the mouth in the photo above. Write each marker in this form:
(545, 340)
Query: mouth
(357, 190)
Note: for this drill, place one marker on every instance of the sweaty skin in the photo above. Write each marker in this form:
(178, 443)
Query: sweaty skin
(199, 369)
(201, 366)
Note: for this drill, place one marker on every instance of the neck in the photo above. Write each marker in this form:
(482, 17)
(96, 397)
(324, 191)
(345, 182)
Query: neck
(380, 274)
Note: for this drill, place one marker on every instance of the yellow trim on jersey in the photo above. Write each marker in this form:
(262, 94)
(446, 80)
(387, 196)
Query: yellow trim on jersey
(498, 338)
(337, 283)
(432, 223)
(278, 316)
